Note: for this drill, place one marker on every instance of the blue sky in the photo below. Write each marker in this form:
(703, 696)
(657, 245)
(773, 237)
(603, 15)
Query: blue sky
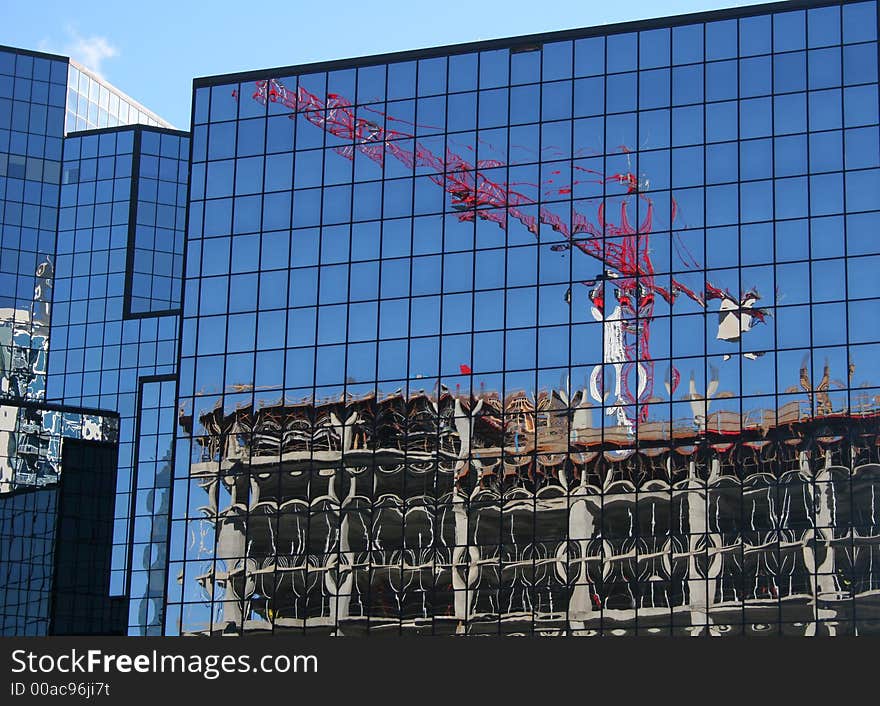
(152, 50)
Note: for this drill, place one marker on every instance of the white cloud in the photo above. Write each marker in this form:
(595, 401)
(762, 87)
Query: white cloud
(89, 51)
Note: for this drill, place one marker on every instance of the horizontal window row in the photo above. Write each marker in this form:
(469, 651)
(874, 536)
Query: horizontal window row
(530, 181)
(490, 349)
(103, 168)
(97, 389)
(15, 166)
(498, 108)
(399, 198)
(33, 91)
(725, 120)
(793, 327)
(33, 118)
(100, 215)
(106, 168)
(103, 214)
(77, 310)
(521, 265)
(27, 66)
(109, 190)
(753, 371)
(78, 335)
(41, 146)
(305, 376)
(780, 32)
(794, 239)
(105, 144)
(792, 198)
(28, 216)
(111, 358)
(749, 245)
(522, 271)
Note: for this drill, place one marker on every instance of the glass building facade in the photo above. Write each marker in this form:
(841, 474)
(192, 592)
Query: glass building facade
(93, 103)
(115, 326)
(41, 98)
(108, 210)
(32, 108)
(569, 334)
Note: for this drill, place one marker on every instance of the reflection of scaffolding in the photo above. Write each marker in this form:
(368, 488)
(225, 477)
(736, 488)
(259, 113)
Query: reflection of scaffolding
(31, 434)
(24, 342)
(31, 439)
(620, 246)
(457, 515)
(23, 348)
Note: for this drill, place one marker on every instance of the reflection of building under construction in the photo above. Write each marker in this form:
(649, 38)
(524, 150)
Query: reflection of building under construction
(462, 515)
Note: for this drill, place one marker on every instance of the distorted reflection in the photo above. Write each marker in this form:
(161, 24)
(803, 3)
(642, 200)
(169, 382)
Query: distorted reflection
(563, 377)
(518, 514)
(32, 437)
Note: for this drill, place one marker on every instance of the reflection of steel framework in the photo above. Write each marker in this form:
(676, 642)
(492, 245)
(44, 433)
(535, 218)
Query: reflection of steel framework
(454, 515)
(32, 437)
(24, 342)
(620, 246)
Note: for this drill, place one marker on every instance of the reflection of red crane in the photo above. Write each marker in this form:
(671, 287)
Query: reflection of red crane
(621, 247)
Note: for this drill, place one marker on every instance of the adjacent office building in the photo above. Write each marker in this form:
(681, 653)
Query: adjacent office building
(561, 334)
(70, 209)
(115, 325)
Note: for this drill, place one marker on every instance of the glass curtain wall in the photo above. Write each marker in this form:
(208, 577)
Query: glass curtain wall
(115, 328)
(572, 336)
